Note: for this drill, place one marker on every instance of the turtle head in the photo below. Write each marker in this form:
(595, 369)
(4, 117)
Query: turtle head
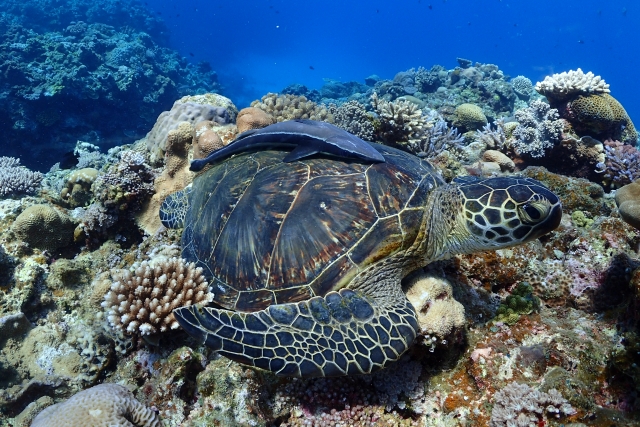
(496, 213)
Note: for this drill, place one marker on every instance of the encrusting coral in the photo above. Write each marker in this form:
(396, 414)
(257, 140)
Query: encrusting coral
(104, 405)
(141, 301)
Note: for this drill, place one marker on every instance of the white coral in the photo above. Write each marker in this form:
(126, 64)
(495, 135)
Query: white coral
(569, 83)
(142, 302)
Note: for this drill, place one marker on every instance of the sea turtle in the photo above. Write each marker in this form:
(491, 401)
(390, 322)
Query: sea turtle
(307, 137)
(305, 258)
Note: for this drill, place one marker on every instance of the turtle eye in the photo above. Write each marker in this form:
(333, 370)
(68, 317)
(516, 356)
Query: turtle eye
(533, 212)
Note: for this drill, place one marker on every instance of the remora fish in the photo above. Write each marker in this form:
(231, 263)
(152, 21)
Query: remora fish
(306, 137)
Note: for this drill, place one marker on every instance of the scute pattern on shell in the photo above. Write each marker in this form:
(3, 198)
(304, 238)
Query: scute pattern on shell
(327, 218)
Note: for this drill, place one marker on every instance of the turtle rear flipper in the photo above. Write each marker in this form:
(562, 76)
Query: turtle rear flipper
(174, 209)
(342, 333)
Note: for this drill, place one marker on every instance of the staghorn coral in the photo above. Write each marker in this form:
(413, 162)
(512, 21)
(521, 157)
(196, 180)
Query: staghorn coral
(570, 83)
(16, 179)
(253, 118)
(399, 122)
(522, 86)
(622, 164)
(353, 117)
(538, 130)
(628, 201)
(469, 117)
(141, 301)
(493, 138)
(44, 227)
(104, 405)
(289, 107)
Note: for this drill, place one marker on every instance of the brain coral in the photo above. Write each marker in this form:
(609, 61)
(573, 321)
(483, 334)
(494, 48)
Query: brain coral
(104, 405)
(44, 227)
(603, 116)
(469, 117)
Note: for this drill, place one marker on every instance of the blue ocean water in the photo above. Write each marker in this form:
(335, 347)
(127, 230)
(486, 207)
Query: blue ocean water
(262, 46)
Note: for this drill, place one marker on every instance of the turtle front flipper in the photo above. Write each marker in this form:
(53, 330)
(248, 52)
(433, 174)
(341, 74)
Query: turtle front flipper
(342, 333)
(174, 208)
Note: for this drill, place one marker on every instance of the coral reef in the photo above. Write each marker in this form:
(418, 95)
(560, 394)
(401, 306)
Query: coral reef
(16, 179)
(103, 405)
(77, 191)
(141, 301)
(289, 107)
(205, 140)
(44, 227)
(539, 129)
(112, 82)
(628, 201)
(399, 122)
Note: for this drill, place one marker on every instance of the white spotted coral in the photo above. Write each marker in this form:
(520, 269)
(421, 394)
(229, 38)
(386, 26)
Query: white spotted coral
(141, 302)
(104, 405)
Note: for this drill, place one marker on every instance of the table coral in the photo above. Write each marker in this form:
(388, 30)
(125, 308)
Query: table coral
(104, 405)
(570, 83)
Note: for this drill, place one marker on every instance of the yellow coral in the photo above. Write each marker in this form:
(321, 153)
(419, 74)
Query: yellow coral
(602, 114)
(469, 117)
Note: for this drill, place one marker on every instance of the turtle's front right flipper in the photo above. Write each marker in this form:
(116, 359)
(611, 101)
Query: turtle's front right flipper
(342, 333)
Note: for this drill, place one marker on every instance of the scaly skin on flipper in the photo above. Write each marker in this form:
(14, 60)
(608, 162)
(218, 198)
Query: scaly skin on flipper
(306, 258)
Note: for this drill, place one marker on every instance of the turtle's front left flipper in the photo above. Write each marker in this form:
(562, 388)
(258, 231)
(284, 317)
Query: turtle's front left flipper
(342, 333)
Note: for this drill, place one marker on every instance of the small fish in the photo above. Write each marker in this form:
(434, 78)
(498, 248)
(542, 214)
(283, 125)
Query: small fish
(430, 7)
(69, 160)
(191, 54)
(306, 137)
(581, 41)
(311, 67)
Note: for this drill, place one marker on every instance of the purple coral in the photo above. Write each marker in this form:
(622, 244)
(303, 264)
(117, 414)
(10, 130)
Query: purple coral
(16, 179)
(622, 165)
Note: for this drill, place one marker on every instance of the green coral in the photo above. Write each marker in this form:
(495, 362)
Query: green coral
(521, 301)
(581, 220)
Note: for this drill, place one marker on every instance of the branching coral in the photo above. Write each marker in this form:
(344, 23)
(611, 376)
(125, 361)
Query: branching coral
(353, 117)
(539, 128)
(16, 179)
(435, 139)
(141, 302)
(400, 122)
(493, 138)
(570, 83)
(522, 86)
(622, 164)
